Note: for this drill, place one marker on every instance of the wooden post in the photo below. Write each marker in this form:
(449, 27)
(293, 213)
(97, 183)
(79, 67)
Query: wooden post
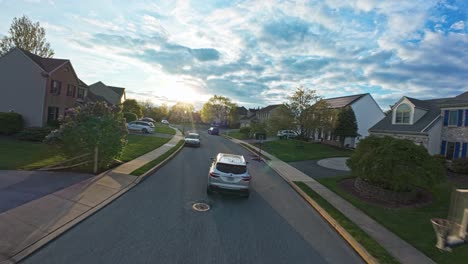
(95, 170)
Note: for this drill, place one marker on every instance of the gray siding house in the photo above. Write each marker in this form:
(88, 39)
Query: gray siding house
(440, 125)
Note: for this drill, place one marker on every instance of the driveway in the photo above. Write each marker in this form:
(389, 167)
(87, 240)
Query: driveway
(312, 169)
(155, 223)
(20, 187)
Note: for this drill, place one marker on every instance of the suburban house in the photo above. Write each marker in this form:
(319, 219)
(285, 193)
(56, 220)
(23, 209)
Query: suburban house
(40, 89)
(440, 125)
(110, 94)
(265, 113)
(367, 113)
(249, 116)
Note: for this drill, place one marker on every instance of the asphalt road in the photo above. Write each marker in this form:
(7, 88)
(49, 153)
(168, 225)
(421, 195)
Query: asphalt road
(154, 222)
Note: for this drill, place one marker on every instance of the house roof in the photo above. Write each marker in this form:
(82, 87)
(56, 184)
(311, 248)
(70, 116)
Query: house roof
(241, 110)
(47, 64)
(432, 108)
(343, 101)
(82, 84)
(110, 94)
(268, 108)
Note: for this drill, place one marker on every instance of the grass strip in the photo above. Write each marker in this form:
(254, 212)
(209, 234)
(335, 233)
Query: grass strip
(254, 150)
(376, 250)
(156, 161)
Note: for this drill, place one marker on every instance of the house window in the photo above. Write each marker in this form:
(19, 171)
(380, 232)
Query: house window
(402, 115)
(71, 90)
(81, 94)
(55, 87)
(52, 113)
(453, 118)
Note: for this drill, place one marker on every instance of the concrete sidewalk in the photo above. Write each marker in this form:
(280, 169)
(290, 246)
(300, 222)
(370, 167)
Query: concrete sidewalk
(398, 248)
(26, 228)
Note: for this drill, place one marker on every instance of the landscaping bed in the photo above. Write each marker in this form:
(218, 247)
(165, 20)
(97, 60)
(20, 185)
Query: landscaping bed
(411, 224)
(296, 150)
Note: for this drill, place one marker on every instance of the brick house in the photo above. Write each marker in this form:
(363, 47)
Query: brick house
(440, 125)
(40, 89)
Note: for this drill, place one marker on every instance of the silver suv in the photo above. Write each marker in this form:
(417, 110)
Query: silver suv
(286, 134)
(229, 173)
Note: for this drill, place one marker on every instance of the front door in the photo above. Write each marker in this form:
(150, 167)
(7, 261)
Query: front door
(450, 150)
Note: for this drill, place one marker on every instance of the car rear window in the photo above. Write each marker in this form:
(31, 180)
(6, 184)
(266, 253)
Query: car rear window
(192, 136)
(229, 168)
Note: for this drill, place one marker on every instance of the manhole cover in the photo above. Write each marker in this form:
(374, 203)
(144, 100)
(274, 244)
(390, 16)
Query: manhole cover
(201, 207)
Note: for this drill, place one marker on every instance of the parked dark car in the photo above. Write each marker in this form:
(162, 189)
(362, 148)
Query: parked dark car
(213, 131)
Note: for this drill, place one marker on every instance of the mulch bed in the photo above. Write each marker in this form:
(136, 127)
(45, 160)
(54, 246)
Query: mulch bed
(347, 185)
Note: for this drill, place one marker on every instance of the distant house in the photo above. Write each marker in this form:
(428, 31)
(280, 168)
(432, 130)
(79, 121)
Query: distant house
(248, 118)
(440, 125)
(367, 112)
(265, 113)
(40, 89)
(110, 94)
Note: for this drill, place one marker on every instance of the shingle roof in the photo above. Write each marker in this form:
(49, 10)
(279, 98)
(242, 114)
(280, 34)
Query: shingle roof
(241, 110)
(109, 93)
(268, 108)
(433, 108)
(47, 64)
(343, 101)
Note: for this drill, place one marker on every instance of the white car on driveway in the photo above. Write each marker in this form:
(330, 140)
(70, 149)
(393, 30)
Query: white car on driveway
(141, 126)
(229, 173)
(164, 122)
(286, 134)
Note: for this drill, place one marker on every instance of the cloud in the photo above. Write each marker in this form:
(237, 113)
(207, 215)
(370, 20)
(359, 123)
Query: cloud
(460, 25)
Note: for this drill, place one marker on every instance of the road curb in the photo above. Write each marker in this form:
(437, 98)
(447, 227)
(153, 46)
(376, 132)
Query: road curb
(72, 223)
(159, 165)
(355, 245)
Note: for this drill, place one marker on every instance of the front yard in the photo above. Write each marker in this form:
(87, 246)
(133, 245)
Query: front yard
(296, 150)
(411, 224)
(26, 155)
(163, 129)
(236, 134)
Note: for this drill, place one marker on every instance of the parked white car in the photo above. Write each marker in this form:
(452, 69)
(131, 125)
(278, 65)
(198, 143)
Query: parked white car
(286, 134)
(164, 122)
(141, 126)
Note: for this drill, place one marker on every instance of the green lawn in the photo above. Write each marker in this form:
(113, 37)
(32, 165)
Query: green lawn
(163, 129)
(236, 134)
(156, 161)
(412, 225)
(141, 144)
(295, 150)
(365, 240)
(16, 154)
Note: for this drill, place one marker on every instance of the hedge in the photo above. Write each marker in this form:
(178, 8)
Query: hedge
(129, 117)
(34, 133)
(10, 123)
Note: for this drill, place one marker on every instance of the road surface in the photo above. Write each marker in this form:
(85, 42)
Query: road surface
(154, 222)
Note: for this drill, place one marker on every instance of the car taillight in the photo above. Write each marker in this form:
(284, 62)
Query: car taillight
(246, 178)
(214, 174)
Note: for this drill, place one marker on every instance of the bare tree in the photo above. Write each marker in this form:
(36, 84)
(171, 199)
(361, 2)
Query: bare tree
(27, 35)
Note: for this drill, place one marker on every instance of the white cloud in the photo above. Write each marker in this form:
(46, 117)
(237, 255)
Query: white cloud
(460, 25)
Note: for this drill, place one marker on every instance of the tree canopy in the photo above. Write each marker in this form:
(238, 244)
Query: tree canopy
(27, 35)
(132, 106)
(219, 108)
(181, 112)
(301, 105)
(346, 124)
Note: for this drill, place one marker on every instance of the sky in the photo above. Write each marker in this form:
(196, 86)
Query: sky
(258, 52)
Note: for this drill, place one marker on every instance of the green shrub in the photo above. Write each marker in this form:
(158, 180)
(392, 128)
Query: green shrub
(129, 117)
(53, 123)
(92, 125)
(245, 130)
(394, 164)
(441, 159)
(460, 166)
(10, 123)
(34, 133)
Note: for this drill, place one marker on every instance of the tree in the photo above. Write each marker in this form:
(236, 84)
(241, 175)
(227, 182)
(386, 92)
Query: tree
(300, 105)
(92, 125)
(181, 113)
(281, 118)
(132, 106)
(219, 108)
(27, 35)
(319, 117)
(346, 124)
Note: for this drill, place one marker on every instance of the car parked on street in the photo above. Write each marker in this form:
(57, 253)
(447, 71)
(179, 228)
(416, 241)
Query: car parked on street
(164, 122)
(141, 126)
(192, 139)
(213, 131)
(286, 134)
(229, 173)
